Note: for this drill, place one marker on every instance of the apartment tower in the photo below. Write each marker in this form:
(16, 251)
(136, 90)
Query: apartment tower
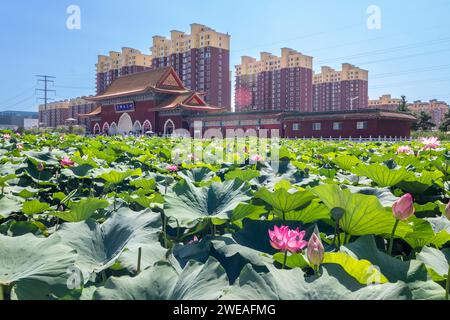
(342, 90)
(118, 64)
(201, 59)
(275, 83)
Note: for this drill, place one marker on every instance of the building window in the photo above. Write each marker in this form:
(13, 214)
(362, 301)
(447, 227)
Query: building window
(296, 127)
(362, 125)
(317, 126)
(337, 125)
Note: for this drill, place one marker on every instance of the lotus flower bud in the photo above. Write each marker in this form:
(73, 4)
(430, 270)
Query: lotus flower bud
(403, 208)
(40, 167)
(315, 251)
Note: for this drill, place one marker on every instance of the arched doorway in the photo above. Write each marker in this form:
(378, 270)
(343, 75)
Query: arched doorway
(147, 126)
(137, 128)
(105, 128)
(169, 128)
(125, 125)
(113, 129)
(96, 129)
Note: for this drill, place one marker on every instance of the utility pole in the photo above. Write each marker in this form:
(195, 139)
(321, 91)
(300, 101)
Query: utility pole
(46, 80)
(351, 102)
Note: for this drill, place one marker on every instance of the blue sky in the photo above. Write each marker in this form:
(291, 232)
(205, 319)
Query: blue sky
(408, 55)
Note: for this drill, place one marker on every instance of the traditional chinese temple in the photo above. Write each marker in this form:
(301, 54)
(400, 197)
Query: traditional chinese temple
(157, 101)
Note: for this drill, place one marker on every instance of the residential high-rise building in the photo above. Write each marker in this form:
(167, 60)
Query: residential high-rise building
(54, 114)
(57, 113)
(436, 109)
(340, 90)
(201, 59)
(78, 107)
(275, 83)
(118, 64)
(385, 102)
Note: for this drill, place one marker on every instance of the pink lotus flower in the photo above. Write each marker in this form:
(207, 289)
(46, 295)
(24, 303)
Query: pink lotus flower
(430, 143)
(19, 146)
(285, 239)
(67, 162)
(40, 167)
(315, 251)
(447, 211)
(403, 208)
(257, 158)
(405, 150)
(172, 168)
(6, 136)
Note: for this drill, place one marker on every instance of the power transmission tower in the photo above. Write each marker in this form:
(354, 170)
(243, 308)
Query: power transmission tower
(46, 80)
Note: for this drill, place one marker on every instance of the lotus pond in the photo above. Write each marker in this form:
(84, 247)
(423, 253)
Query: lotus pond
(118, 218)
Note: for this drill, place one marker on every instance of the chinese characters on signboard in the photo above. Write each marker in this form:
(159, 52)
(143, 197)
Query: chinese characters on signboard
(125, 107)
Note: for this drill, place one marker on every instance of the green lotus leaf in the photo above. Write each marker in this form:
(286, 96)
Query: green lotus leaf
(243, 175)
(364, 214)
(362, 270)
(6, 178)
(100, 245)
(382, 175)
(283, 201)
(146, 184)
(245, 210)
(82, 210)
(190, 205)
(385, 196)
(346, 162)
(34, 207)
(294, 285)
(314, 212)
(197, 175)
(392, 268)
(9, 205)
(116, 177)
(81, 172)
(35, 268)
(162, 282)
(437, 262)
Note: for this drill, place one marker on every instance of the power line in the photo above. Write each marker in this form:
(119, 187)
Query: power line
(385, 51)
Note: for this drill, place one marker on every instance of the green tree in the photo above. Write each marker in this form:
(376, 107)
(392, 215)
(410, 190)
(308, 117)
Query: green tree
(424, 122)
(445, 125)
(403, 105)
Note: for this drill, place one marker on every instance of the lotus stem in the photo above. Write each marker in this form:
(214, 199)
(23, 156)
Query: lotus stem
(115, 199)
(447, 284)
(165, 231)
(2, 296)
(391, 241)
(139, 261)
(285, 260)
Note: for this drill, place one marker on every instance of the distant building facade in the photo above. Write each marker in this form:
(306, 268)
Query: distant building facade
(53, 114)
(81, 106)
(275, 83)
(16, 118)
(57, 113)
(117, 64)
(385, 102)
(201, 59)
(343, 90)
(157, 101)
(435, 108)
